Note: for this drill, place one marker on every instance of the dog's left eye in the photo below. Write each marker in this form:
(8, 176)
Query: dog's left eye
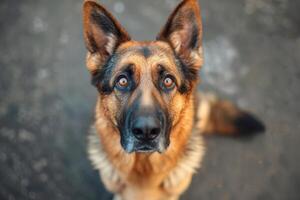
(168, 83)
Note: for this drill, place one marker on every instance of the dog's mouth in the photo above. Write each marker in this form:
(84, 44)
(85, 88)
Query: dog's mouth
(145, 149)
(130, 144)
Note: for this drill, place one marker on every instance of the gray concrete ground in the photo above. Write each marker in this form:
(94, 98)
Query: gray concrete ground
(252, 51)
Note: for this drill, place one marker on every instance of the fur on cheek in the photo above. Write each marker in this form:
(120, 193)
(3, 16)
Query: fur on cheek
(112, 108)
(177, 107)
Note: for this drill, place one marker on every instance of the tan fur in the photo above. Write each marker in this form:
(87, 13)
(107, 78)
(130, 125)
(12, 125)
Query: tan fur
(148, 176)
(93, 61)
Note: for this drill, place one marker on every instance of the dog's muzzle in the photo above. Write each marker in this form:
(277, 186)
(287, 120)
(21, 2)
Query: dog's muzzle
(144, 130)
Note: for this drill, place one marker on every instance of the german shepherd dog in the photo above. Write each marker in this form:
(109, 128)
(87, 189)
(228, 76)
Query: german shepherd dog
(149, 120)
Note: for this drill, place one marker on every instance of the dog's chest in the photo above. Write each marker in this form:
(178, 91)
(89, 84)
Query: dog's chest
(146, 171)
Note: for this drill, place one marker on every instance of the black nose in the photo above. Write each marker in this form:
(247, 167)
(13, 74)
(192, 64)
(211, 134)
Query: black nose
(146, 128)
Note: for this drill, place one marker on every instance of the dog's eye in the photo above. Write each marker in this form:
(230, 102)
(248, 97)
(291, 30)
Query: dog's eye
(168, 83)
(122, 82)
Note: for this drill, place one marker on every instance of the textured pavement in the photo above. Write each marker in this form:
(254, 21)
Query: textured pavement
(252, 50)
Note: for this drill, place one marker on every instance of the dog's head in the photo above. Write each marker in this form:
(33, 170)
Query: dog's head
(144, 86)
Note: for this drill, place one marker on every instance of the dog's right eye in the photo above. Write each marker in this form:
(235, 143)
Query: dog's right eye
(122, 82)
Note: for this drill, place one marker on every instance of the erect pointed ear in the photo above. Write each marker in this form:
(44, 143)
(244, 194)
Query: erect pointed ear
(183, 32)
(102, 34)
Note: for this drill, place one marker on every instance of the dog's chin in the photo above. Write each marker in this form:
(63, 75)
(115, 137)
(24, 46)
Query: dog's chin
(145, 149)
(141, 148)
(132, 146)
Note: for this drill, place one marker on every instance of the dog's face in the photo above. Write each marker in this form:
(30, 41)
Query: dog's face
(144, 86)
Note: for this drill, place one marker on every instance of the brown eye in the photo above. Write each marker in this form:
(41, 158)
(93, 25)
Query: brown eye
(123, 82)
(168, 82)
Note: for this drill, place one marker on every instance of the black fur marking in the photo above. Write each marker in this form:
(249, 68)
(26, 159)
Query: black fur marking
(146, 52)
(194, 37)
(105, 23)
(194, 32)
(101, 78)
(183, 88)
(92, 43)
(128, 72)
(248, 124)
(189, 74)
(132, 112)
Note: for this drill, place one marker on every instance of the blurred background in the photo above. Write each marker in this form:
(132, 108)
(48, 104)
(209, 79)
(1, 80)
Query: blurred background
(252, 56)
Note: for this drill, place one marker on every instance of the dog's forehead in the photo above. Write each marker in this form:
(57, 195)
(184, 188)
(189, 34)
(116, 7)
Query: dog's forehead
(144, 46)
(145, 54)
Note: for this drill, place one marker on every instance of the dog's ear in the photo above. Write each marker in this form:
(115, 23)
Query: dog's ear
(102, 34)
(183, 31)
